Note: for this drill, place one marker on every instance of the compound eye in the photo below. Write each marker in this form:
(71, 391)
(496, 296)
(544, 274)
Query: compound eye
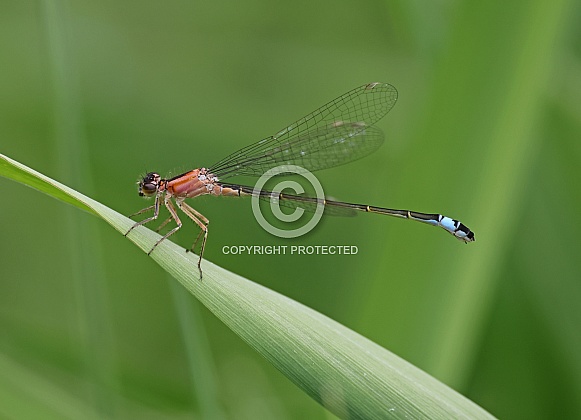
(148, 189)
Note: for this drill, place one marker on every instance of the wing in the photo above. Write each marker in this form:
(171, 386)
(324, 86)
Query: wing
(292, 201)
(339, 132)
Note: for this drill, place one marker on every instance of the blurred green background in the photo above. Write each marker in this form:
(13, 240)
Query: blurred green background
(487, 129)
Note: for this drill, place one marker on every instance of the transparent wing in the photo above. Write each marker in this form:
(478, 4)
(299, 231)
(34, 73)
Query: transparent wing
(339, 132)
(291, 201)
(309, 204)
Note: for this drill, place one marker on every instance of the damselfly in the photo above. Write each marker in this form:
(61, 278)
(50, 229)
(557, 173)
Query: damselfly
(339, 132)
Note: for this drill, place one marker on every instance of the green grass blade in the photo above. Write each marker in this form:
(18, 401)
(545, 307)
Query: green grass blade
(347, 373)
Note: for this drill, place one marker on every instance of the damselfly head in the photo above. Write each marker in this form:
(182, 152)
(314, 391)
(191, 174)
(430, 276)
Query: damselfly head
(149, 185)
